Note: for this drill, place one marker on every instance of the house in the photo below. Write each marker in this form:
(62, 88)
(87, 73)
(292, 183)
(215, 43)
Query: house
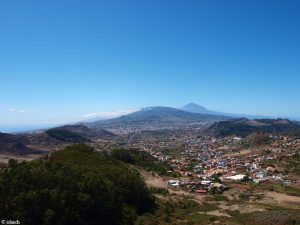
(205, 182)
(201, 191)
(174, 183)
(237, 177)
(261, 175)
(260, 180)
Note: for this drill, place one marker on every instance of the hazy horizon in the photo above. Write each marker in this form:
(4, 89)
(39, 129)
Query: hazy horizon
(12, 128)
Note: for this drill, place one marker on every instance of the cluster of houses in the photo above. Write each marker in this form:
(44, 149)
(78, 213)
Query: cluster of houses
(200, 187)
(217, 161)
(205, 164)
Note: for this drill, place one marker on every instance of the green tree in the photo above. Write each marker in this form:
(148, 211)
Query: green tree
(75, 186)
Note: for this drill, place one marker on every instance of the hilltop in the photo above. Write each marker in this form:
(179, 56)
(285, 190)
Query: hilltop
(15, 145)
(77, 133)
(243, 127)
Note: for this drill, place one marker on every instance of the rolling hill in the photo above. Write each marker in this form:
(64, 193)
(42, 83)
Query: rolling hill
(243, 127)
(14, 145)
(77, 133)
(87, 132)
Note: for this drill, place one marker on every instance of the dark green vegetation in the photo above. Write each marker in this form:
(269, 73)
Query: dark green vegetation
(244, 127)
(74, 186)
(87, 132)
(66, 135)
(141, 159)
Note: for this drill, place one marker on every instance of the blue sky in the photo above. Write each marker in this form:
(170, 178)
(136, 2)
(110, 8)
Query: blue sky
(63, 59)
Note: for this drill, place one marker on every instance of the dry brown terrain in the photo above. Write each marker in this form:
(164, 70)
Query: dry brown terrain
(5, 158)
(283, 199)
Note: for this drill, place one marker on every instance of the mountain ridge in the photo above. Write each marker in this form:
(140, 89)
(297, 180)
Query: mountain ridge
(158, 115)
(195, 108)
(243, 127)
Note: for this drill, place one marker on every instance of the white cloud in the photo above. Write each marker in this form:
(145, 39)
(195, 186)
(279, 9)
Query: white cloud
(110, 114)
(19, 110)
(91, 115)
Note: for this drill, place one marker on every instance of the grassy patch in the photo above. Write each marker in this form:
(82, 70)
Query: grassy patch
(220, 198)
(207, 207)
(201, 218)
(159, 191)
(179, 212)
(278, 217)
(289, 190)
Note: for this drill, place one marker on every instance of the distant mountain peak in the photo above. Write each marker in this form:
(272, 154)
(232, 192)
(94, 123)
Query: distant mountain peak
(194, 106)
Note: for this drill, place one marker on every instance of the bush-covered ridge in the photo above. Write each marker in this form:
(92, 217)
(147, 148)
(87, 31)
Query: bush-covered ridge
(244, 127)
(141, 159)
(65, 135)
(74, 186)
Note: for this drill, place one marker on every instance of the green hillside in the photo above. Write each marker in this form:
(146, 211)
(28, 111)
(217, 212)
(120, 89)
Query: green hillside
(65, 135)
(74, 186)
